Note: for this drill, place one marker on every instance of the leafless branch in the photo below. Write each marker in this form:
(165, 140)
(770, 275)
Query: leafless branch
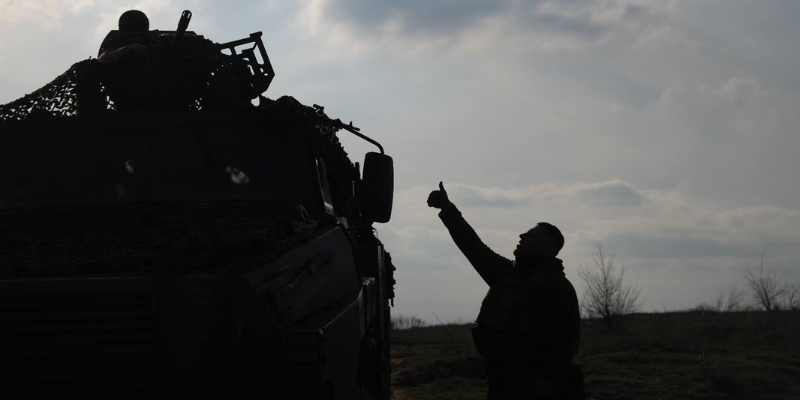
(793, 296)
(767, 288)
(607, 296)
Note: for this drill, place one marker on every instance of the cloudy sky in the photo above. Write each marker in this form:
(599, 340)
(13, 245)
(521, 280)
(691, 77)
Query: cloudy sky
(665, 130)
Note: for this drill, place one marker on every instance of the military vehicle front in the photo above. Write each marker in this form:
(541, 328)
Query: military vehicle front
(187, 246)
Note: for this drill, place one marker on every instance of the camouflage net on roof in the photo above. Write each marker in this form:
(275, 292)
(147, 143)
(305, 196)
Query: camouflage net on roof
(191, 76)
(77, 89)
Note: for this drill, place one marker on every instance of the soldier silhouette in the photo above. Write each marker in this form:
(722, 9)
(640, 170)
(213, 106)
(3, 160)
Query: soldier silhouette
(133, 31)
(528, 328)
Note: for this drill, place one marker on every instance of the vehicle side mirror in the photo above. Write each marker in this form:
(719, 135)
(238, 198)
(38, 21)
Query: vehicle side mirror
(378, 187)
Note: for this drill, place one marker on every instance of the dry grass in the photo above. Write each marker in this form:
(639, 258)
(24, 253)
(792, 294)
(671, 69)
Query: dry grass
(682, 355)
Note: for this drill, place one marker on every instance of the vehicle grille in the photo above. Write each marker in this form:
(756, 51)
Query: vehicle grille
(87, 344)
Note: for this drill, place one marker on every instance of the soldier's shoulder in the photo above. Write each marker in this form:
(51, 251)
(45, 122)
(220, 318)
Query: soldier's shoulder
(560, 283)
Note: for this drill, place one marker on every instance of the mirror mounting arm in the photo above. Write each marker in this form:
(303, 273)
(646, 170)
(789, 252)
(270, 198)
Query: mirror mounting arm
(350, 128)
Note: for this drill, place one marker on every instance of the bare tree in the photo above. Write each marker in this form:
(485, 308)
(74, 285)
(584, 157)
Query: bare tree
(400, 322)
(735, 298)
(732, 300)
(767, 287)
(607, 296)
(793, 296)
(728, 300)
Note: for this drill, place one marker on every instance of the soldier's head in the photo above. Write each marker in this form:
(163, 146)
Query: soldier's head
(133, 21)
(543, 240)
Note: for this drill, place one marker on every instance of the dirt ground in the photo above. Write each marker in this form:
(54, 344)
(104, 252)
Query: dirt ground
(401, 387)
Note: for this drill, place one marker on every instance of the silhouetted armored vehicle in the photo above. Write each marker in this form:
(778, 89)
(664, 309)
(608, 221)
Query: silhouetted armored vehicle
(162, 236)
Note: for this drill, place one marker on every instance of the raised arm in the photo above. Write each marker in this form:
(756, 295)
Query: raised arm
(489, 264)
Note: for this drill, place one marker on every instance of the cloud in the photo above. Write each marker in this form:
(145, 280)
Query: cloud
(610, 193)
(472, 196)
(665, 36)
(652, 245)
(427, 17)
(470, 25)
(420, 243)
(606, 194)
(44, 14)
(677, 246)
(591, 20)
(738, 91)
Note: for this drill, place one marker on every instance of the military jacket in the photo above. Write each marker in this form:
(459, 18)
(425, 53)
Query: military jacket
(529, 320)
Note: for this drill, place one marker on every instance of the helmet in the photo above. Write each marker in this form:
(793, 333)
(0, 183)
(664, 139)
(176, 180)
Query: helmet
(133, 21)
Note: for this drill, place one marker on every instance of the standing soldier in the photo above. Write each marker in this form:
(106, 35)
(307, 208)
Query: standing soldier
(528, 327)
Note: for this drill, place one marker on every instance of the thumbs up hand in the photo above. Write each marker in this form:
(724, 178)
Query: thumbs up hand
(438, 198)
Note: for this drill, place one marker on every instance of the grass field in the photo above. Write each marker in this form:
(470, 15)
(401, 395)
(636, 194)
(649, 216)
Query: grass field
(682, 355)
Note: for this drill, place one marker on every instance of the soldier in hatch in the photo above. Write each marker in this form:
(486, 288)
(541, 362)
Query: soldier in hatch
(130, 41)
(528, 327)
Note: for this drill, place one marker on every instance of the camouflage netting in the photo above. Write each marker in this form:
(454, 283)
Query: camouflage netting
(166, 78)
(77, 89)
